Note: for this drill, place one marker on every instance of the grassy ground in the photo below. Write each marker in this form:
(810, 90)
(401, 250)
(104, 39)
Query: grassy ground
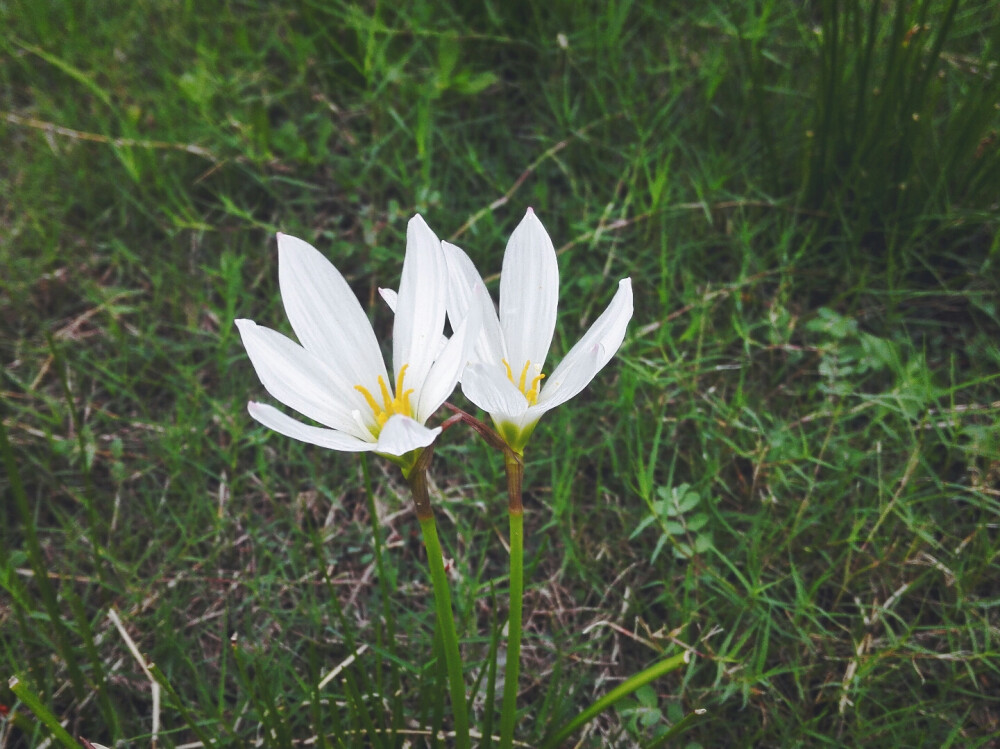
(792, 470)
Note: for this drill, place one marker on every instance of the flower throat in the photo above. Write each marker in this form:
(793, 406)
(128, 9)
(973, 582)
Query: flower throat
(529, 391)
(391, 405)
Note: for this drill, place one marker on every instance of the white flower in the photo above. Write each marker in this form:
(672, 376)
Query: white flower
(337, 376)
(506, 377)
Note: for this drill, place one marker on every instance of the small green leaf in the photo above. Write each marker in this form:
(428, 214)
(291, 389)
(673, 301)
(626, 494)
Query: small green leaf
(702, 544)
(674, 528)
(697, 522)
(646, 696)
(469, 84)
(661, 541)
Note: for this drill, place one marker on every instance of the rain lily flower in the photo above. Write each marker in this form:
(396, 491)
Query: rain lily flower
(336, 376)
(506, 376)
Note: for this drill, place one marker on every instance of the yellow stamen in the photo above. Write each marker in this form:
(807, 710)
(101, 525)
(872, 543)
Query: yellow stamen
(373, 404)
(536, 385)
(386, 397)
(531, 391)
(400, 404)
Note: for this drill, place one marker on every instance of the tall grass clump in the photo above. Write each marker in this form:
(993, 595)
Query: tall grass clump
(902, 126)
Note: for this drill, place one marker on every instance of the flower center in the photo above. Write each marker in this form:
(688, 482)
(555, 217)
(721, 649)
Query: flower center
(398, 404)
(530, 391)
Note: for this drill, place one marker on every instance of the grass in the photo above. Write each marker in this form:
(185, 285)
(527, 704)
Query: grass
(791, 472)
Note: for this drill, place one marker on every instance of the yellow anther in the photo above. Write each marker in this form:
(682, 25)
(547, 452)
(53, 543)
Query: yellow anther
(536, 385)
(375, 407)
(524, 374)
(400, 404)
(402, 396)
(530, 392)
(386, 396)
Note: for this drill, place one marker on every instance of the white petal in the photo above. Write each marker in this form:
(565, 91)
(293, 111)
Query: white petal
(566, 382)
(464, 279)
(402, 434)
(608, 330)
(420, 306)
(390, 297)
(591, 353)
(489, 388)
(529, 293)
(448, 367)
(325, 315)
(299, 379)
(272, 418)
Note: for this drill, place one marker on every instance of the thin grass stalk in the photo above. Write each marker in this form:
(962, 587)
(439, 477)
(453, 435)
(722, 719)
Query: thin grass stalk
(99, 676)
(864, 70)
(224, 657)
(439, 663)
(971, 131)
(555, 694)
(752, 61)
(491, 676)
(922, 70)
(21, 603)
(818, 168)
(508, 709)
(397, 689)
(266, 712)
(40, 569)
(186, 716)
(677, 729)
(316, 702)
(428, 700)
(362, 723)
(417, 479)
(97, 523)
(380, 684)
(361, 713)
(281, 732)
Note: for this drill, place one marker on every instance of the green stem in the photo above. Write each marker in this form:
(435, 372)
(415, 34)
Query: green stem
(508, 709)
(442, 602)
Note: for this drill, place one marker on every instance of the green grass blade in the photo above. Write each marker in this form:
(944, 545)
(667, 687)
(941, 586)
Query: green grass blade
(624, 689)
(50, 721)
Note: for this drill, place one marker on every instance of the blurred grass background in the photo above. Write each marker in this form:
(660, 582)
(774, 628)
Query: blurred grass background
(792, 470)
